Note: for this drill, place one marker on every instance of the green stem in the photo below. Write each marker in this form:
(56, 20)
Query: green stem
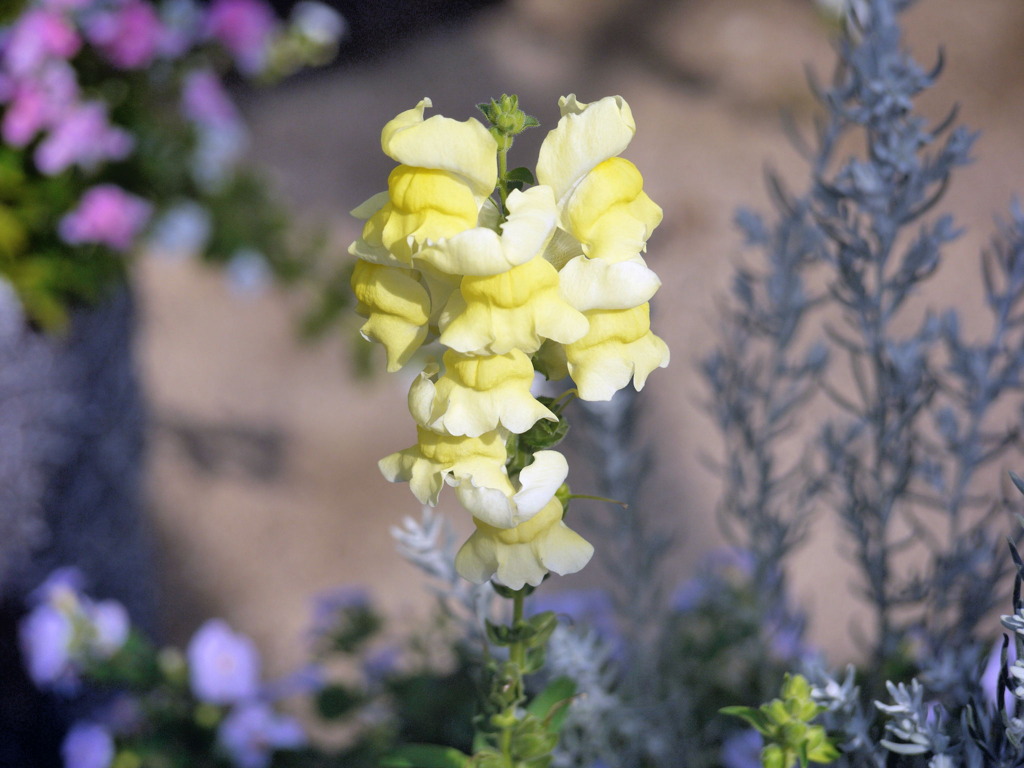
(502, 173)
(517, 661)
(622, 504)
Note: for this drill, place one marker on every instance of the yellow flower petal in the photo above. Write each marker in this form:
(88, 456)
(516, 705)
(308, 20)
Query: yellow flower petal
(396, 306)
(586, 135)
(618, 347)
(516, 309)
(491, 498)
(476, 394)
(609, 213)
(590, 284)
(466, 149)
(524, 554)
(482, 251)
(425, 204)
(436, 457)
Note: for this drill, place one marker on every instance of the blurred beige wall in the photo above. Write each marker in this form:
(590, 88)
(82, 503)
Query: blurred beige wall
(263, 464)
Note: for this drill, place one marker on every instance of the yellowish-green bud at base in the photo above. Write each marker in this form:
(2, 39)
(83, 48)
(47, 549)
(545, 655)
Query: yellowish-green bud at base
(618, 347)
(172, 666)
(207, 715)
(397, 308)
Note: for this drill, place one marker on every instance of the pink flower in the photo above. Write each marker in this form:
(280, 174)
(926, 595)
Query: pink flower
(205, 101)
(130, 36)
(224, 667)
(106, 215)
(37, 36)
(82, 137)
(245, 28)
(37, 102)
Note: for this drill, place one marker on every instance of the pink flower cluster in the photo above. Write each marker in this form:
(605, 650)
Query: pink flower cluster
(106, 215)
(46, 111)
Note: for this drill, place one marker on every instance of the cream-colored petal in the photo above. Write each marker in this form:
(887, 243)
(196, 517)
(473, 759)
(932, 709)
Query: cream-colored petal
(583, 139)
(609, 213)
(516, 309)
(518, 566)
(366, 209)
(421, 396)
(483, 252)
(619, 346)
(538, 483)
(561, 550)
(477, 558)
(396, 306)
(590, 284)
(463, 148)
(425, 478)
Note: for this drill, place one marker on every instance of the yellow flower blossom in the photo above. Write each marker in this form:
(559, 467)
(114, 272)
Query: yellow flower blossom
(447, 171)
(600, 196)
(483, 251)
(618, 347)
(477, 394)
(495, 501)
(516, 309)
(524, 554)
(397, 307)
(438, 458)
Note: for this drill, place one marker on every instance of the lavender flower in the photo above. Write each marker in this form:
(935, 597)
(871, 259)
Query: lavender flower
(66, 629)
(252, 732)
(88, 745)
(224, 666)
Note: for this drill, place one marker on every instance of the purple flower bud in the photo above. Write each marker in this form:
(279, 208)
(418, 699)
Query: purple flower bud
(88, 745)
(129, 36)
(106, 215)
(38, 36)
(82, 137)
(46, 635)
(205, 101)
(245, 28)
(253, 731)
(224, 667)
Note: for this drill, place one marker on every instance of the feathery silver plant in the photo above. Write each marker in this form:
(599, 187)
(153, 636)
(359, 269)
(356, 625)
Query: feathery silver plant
(906, 446)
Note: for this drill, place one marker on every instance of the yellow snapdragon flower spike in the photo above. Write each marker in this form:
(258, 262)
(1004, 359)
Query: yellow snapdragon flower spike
(524, 554)
(618, 347)
(397, 307)
(477, 394)
(438, 458)
(516, 309)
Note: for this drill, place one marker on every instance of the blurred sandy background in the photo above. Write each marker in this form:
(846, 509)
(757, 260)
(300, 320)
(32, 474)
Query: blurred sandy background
(264, 487)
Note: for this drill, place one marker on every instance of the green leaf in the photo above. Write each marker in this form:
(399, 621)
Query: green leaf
(336, 701)
(425, 756)
(521, 174)
(755, 717)
(552, 704)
